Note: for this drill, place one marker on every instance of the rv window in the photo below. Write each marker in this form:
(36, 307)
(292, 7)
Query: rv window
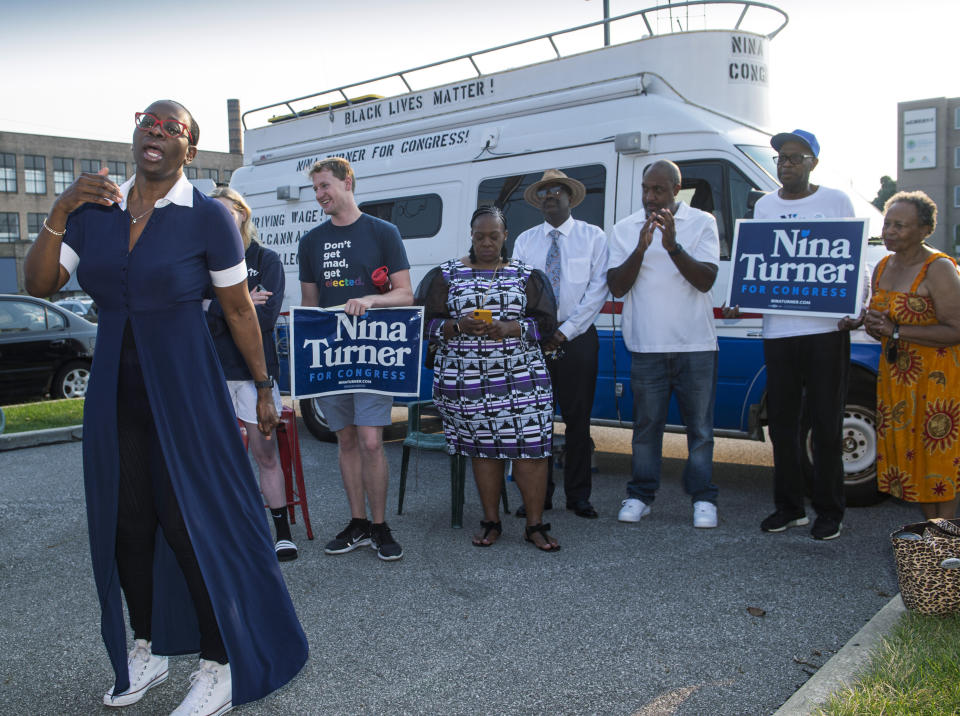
(417, 217)
(718, 188)
(507, 193)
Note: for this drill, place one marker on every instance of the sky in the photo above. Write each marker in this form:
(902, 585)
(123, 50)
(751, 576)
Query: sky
(83, 68)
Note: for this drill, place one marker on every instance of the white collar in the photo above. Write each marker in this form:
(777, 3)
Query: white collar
(180, 193)
(565, 228)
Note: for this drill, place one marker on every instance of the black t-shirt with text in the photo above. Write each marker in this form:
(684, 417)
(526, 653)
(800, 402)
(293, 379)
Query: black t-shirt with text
(341, 260)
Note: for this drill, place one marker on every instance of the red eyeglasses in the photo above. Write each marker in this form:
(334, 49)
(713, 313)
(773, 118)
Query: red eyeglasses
(170, 127)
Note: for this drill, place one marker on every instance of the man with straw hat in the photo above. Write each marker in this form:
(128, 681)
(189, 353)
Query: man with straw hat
(573, 255)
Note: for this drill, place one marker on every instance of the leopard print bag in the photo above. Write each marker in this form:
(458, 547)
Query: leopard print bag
(928, 566)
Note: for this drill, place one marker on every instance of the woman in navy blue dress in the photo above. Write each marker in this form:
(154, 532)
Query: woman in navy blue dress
(174, 517)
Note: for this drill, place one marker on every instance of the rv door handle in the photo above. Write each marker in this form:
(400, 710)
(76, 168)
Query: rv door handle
(754, 334)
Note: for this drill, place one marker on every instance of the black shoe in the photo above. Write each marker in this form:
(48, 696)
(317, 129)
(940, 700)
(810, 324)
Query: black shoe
(388, 549)
(356, 534)
(825, 528)
(583, 509)
(286, 550)
(780, 520)
(522, 509)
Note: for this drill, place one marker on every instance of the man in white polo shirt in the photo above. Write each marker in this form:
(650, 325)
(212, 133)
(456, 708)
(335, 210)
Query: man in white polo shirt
(664, 259)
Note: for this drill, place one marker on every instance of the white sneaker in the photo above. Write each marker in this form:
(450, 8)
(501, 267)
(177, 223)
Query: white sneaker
(704, 514)
(146, 671)
(211, 691)
(632, 510)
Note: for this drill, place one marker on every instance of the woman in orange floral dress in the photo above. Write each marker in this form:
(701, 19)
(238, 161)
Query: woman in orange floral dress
(915, 313)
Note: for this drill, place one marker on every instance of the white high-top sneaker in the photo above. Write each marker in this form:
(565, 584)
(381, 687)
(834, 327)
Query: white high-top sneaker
(211, 691)
(146, 671)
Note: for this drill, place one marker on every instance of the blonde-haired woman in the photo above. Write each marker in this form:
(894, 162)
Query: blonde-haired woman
(265, 281)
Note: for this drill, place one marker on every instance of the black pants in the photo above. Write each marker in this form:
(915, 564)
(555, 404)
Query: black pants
(574, 378)
(813, 369)
(146, 499)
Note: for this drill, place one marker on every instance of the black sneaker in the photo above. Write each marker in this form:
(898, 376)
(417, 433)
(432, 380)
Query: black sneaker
(388, 549)
(825, 528)
(780, 520)
(356, 534)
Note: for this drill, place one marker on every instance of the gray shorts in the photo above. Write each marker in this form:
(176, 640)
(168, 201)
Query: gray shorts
(355, 409)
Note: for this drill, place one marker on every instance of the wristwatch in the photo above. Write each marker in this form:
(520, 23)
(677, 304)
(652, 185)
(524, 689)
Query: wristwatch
(895, 334)
(678, 249)
(268, 383)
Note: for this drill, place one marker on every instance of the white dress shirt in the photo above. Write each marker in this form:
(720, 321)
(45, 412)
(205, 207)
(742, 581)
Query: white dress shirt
(583, 269)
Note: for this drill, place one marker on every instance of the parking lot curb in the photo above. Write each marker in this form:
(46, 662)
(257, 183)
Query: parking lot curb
(33, 438)
(841, 670)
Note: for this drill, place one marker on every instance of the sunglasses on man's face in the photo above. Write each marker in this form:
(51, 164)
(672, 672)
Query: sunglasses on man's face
(170, 127)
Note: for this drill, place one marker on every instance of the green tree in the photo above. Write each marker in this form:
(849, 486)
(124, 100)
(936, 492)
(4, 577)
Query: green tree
(888, 187)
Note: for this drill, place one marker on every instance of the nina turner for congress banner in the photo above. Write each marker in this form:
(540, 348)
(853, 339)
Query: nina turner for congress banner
(331, 352)
(812, 267)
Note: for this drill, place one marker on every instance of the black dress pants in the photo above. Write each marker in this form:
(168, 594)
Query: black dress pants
(811, 369)
(146, 499)
(574, 378)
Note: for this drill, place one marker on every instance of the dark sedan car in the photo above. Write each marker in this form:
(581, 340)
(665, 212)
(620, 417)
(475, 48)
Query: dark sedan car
(43, 349)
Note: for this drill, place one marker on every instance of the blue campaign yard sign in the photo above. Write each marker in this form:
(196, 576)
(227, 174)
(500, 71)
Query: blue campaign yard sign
(812, 267)
(331, 352)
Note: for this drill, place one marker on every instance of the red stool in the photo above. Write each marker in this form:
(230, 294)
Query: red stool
(288, 443)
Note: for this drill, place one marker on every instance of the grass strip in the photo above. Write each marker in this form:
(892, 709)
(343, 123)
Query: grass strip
(915, 671)
(43, 414)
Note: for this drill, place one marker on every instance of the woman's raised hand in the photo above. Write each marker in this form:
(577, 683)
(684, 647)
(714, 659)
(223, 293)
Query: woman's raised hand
(89, 188)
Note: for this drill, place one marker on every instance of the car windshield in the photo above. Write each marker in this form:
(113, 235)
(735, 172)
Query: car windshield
(762, 157)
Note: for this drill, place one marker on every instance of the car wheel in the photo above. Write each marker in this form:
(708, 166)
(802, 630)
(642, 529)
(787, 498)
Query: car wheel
(315, 422)
(859, 443)
(71, 381)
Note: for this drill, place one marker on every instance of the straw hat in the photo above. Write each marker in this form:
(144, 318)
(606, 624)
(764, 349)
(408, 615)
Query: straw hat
(554, 176)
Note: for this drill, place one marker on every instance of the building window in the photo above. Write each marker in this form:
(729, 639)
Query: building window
(956, 157)
(8, 172)
(34, 224)
(227, 173)
(210, 174)
(118, 172)
(62, 174)
(34, 174)
(956, 118)
(191, 172)
(956, 197)
(9, 226)
(89, 166)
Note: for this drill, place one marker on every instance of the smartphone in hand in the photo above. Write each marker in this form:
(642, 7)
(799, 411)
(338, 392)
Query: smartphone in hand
(483, 315)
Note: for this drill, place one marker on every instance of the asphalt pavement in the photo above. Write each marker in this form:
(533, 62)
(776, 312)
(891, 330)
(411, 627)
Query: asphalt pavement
(652, 618)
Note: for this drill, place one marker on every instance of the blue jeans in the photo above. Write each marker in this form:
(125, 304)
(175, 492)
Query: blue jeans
(692, 377)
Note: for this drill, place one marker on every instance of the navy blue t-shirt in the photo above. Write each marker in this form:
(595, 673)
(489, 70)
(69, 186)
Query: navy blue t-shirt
(342, 259)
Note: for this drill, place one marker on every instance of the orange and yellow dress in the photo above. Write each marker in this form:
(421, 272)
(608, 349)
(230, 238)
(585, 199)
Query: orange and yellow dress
(918, 403)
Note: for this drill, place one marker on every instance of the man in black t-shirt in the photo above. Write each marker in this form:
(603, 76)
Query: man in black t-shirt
(337, 261)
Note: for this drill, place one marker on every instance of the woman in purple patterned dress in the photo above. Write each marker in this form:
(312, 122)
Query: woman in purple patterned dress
(491, 383)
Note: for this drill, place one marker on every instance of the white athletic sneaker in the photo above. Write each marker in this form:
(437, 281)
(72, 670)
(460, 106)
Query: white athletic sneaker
(146, 671)
(704, 514)
(632, 510)
(211, 691)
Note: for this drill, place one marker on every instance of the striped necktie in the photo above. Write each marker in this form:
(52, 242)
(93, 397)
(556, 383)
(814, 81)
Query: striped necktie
(553, 262)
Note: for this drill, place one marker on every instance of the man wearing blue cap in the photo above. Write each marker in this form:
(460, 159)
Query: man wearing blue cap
(805, 353)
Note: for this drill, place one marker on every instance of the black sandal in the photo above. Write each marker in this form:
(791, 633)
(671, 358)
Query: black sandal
(542, 529)
(488, 527)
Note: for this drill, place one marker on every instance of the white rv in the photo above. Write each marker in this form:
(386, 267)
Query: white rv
(687, 90)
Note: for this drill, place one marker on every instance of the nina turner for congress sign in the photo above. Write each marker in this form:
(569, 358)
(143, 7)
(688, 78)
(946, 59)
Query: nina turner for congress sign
(812, 267)
(331, 352)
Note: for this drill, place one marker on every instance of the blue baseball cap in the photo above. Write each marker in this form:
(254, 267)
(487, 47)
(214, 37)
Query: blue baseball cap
(797, 135)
